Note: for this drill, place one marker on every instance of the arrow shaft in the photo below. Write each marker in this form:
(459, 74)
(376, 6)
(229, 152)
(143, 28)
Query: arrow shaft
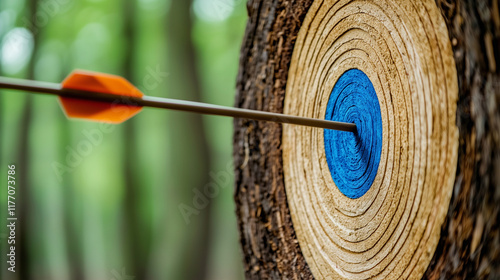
(172, 104)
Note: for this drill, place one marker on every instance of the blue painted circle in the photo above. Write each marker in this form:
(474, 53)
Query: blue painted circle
(353, 158)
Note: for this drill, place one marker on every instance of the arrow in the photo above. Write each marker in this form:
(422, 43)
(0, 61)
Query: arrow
(109, 98)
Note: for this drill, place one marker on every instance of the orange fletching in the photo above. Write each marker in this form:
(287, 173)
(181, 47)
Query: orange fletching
(96, 110)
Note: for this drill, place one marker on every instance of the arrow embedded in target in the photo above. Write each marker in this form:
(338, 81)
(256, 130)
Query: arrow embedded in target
(109, 98)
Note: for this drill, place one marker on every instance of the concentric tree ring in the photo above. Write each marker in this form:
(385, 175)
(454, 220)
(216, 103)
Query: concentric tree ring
(391, 229)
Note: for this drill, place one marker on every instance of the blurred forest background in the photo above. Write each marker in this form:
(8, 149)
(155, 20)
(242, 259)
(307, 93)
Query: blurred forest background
(94, 203)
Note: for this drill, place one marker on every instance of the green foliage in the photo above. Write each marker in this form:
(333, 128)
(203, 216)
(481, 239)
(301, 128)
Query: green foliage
(78, 217)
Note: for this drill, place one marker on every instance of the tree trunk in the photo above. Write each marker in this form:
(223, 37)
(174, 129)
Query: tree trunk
(469, 245)
(23, 188)
(184, 83)
(136, 236)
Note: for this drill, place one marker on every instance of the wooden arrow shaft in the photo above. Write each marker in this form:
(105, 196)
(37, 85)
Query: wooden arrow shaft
(173, 104)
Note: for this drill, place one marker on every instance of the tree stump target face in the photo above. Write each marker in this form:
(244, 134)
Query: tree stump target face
(371, 205)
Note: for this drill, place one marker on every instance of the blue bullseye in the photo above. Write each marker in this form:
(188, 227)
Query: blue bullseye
(353, 158)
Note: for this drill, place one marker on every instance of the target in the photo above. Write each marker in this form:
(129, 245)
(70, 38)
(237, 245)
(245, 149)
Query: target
(371, 204)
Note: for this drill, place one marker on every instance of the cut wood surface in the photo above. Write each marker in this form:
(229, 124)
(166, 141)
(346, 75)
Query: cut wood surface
(391, 231)
(468, 241)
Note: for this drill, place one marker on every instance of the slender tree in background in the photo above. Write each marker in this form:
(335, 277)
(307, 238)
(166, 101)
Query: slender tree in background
(72, 205)
(72, 213)
(469, 247)
(136, 235)
(193, 158)
(23, 188)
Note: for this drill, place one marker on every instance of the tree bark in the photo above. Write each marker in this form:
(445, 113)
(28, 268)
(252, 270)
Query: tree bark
(269, 245)
(470, 240)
